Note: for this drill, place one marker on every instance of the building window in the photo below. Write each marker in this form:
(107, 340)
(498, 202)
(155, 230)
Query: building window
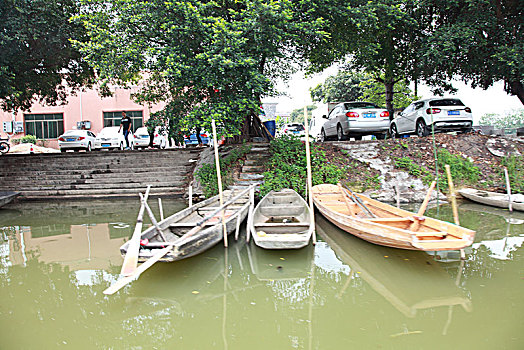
(44, 126)
(113, 118)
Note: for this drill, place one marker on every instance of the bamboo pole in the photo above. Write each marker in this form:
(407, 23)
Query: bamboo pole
(190, 196)
(424, 205)
(508, 188)
(250, 214)
(452, 194)
(309, 179)
(219, 178)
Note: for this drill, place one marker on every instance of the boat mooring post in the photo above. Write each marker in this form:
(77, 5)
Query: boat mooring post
(309, 179)
(190, 194)
(219, 179)
(508, 188)
(454, 204)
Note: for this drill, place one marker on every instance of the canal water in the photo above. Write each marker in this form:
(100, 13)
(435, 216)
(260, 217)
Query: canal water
(56, 258)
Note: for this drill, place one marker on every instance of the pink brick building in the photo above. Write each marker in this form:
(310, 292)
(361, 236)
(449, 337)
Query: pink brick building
(49, 122)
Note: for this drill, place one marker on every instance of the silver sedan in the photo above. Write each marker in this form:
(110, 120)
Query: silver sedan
(355, 119)
(76, 140)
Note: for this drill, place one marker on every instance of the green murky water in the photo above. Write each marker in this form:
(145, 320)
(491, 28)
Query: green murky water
(57, 258)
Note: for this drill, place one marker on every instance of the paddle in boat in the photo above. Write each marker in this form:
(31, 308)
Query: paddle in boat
(281, 220)
(383, 224)
(172, 230)
(493, 199)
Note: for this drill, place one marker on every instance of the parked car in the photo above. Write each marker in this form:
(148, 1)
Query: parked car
(141, 138)
(192, 140)
(445, 114)
(76, 140)
(296, 129)
(112, 138)
(355, 119)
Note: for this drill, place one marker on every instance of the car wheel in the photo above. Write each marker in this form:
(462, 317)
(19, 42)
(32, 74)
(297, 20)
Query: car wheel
(63, 150)
(421, 128)
(163, 145)
(88, 148)
(121, 146)
(465, 131)
(340, 133)
(394, 132)
(357, 137)
(323, 135)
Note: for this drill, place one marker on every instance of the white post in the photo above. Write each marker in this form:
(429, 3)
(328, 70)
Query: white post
(508, 188)
(309, 179)
(190, 196)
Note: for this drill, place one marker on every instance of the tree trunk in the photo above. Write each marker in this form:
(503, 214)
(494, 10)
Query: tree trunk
(517, 89)
(389, 97)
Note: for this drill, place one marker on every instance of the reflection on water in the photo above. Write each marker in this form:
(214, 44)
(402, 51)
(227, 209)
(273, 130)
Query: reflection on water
(56, 259)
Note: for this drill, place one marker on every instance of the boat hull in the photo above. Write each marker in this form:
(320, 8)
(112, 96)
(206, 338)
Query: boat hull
(493, 199)
(434, 235)
(282, 220)
(7, 196)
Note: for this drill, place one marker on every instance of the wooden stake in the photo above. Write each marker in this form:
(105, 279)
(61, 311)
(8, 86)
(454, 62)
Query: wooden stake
(452, 194)
(250, 214)
(190, 196)
(309, 179)
(508, 188)
(131, 258)
(161, 209)
(219, 178)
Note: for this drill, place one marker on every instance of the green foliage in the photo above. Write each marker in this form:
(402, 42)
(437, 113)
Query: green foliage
(515, 119)
(287, 167)
(207, 175)
(344, 86)
(374, 91)
(37, 60)
(515, 166)
(414, 169)
(28, 139)
(463, 171)
(205, 59)
(481, 41)
(297, 116)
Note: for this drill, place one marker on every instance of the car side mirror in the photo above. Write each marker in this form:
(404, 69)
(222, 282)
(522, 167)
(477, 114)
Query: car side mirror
(325, 116)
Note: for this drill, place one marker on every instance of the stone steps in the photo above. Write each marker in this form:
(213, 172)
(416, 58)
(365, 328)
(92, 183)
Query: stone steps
(98, 174)
(253, 168)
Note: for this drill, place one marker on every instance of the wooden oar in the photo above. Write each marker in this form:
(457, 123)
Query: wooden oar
(131, 258)
(359, 202)
(161, 252)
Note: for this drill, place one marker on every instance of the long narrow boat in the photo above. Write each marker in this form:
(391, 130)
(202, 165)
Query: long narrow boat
(388, 226)
(493, 198)
(282, 220)
(7, 196)
(176, 225)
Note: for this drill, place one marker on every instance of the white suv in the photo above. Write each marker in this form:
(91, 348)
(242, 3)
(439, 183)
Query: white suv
(446, 114)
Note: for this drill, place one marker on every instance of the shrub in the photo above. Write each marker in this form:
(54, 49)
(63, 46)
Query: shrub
(28, 139)
(287, 167)
(515, 166)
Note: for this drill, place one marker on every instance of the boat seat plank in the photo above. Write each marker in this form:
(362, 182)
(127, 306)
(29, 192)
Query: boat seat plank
(431, 234)
(287, 224)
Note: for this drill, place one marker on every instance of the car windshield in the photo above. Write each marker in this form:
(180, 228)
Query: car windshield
(446, 102)
(72, 132)
(353, 105)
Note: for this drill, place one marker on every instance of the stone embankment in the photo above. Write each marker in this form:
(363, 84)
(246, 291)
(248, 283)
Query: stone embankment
(98, 174)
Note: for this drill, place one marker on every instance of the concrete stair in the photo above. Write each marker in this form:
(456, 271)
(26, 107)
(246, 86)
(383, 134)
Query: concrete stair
(253, 168)
(98, 174)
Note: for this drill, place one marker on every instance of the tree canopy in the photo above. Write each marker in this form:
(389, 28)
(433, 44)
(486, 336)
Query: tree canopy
(344, 86)
(481, 41)
(37, 60)
(205, 59)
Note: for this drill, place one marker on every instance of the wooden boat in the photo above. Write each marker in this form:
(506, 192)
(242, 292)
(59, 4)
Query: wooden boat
(493, 198)
(175, 226)
(388, 226)
(281, 220)
(7, 196)
(409, 280)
